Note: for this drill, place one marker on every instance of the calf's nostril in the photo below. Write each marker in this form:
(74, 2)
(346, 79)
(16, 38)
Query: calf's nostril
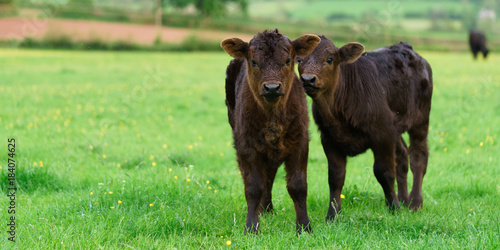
(272, 88)
(308, 79)
(313, 80)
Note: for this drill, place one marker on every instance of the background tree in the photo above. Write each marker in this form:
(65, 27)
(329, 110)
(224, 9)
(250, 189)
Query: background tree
(7, 7)
(83, 6)
(207, 8)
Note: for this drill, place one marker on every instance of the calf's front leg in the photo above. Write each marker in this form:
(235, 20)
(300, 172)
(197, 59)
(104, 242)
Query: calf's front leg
(254, 181)
(296, 176)
(336, 177)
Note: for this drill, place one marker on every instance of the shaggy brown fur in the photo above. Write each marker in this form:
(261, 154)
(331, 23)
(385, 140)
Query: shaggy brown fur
(267, 111)
(363, 101)
(477, 42)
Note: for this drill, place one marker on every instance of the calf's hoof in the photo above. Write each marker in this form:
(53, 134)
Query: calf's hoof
(393, 206)
(416, 202)
(268, 209)
(252, 229)
(333, 211)
(330, 216)
(303, 228)
(404, 200)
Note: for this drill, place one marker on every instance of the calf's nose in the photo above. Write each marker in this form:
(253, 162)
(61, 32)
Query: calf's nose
(272, 88)
(308, 79)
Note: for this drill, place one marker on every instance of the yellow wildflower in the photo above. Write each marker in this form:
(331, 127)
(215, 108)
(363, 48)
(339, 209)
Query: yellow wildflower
(228, 243)
(154, 164)
(190, 147)
(120, 202)
(342, 196)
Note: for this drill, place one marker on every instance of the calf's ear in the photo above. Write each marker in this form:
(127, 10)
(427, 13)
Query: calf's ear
(350, 52)
(305, 44)
(235, 47)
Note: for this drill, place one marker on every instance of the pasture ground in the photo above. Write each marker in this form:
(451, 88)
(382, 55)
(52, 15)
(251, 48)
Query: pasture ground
(17, 28)
(120, 150)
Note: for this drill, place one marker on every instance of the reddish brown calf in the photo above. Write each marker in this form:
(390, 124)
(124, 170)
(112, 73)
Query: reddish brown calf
(363, 101)
(267, 111)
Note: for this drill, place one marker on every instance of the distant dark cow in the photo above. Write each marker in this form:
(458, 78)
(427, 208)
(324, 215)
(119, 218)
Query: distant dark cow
(363, 101)
(477, 42)
(267, 111)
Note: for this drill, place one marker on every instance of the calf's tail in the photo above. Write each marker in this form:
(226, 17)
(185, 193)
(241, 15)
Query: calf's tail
(232, 72)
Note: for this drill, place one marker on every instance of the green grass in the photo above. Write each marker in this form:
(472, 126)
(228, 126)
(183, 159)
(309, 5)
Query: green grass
(133, 127)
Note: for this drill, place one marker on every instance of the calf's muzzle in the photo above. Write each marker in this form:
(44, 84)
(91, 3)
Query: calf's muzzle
(308, 80)
(272, 90)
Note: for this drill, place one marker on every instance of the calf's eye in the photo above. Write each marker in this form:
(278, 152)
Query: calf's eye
(299, 61)
(329, 60)
(254, 64)
(288, 62)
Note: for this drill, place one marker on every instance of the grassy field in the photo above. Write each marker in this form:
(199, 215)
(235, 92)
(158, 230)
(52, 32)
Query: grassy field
(133, 150)
(319, 11)
(431, 25)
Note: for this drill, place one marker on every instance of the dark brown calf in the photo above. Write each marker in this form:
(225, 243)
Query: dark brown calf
(477, 42)
(267, 110)
(363, 101)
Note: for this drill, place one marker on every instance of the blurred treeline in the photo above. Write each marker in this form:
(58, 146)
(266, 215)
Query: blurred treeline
(139, 11)
(430, 24)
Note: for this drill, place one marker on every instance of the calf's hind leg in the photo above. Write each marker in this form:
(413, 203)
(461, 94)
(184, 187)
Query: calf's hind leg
(266, 204)
(419, 154)
(402, 171)
(385, 171)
